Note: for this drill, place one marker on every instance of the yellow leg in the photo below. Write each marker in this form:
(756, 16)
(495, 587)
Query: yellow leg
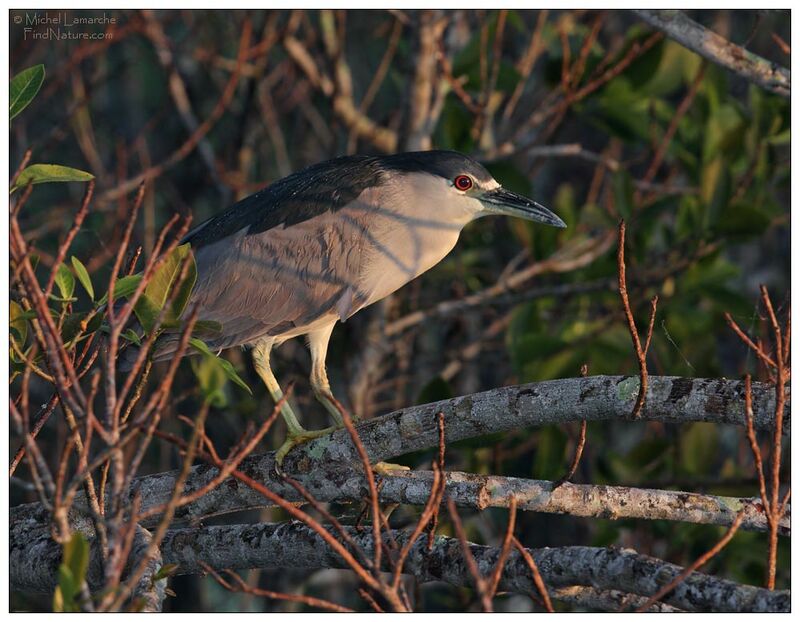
(386, 468)
(261, 353)
(318, 345)
(297, 434)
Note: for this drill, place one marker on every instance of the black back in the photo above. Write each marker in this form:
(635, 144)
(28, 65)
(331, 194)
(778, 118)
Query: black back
(326, 186)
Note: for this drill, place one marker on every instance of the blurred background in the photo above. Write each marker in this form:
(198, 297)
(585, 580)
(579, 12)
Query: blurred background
(592, 113)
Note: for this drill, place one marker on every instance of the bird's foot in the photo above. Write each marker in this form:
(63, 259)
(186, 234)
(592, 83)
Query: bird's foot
(386, 468)
(295, 438)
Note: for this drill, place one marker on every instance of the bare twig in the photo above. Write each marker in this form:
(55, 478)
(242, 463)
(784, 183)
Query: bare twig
(576, 457)
(202, 129)
(505, 550)
(478, 581)
(641, 352)
(719, 50)
(782, 375)
(680, 112)
(696, 565)
(241, 586)
(440, 462)
(537, 577)
(780, 372)
(743, 336)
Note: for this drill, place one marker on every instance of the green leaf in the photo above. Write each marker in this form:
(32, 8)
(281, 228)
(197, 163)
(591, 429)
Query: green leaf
(200, 346)
(18, 323)
(71, 573)
(224, 366)
(165, 571)
(23, 89)
(72, 326)
(230, 372)
(160, 286)
(782, 138)
(123, 287)
(131, 336)
(715, 188)
(83, 276)
(64, 595)
(723, 133)
(211, 378)
(48, 173)
(65, 281)
(76, 556)
(743, 220)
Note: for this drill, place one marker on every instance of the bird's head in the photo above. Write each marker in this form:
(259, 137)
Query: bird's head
(468, 183)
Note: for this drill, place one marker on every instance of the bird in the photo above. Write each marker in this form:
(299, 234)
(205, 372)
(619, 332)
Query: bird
(317, 246)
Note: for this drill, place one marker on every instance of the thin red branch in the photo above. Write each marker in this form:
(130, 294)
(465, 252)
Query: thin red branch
(243, 587)
(472, 566)
(440, 461)
(505, 551)
(535, 574)
(641, 353)
(696, 565)
(749, 342)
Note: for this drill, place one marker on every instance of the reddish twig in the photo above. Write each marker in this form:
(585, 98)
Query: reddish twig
(457, 84)
(535, 574)
(641, 352)
(26, 157)
(369, 475)
(241, 586)
(370, 600)
(749, 342)
(754, 447)
(680, 112)
(773, 508)
(440, 461)
(73, 231)
(481, 586)
(698, 563)
(576, 458)
(785, 47)
(434, 501)
(41, 419)
(782, 376)
(505, 551)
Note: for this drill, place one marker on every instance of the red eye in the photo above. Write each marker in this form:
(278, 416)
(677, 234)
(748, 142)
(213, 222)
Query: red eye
(463, 182)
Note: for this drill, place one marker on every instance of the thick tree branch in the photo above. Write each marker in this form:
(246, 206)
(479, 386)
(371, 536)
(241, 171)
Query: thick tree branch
(606, 600)
(325, 466)
(611, 502)
(719, 50)
(34, 558)
(294, 545)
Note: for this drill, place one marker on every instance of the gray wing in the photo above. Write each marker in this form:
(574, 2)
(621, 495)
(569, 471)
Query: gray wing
(276, 260)
(277, 281)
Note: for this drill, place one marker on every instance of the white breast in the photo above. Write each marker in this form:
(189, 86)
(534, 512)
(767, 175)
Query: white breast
(407, 235)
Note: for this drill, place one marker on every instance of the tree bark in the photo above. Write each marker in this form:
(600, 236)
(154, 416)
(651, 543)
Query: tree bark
(719, 50)
(325, 466)
(296, 545)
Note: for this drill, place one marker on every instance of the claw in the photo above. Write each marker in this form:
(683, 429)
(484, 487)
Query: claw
(293, 439)
(386, 468)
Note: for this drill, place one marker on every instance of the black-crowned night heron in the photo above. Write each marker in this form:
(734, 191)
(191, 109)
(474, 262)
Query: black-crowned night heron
(315, 247)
